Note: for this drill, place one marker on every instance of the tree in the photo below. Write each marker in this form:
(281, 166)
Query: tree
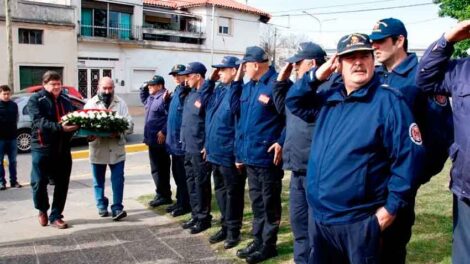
(460, 10)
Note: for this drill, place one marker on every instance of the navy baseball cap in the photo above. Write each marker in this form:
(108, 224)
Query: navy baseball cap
(228, 62)
(388, 27)
(254, 54)
(194, 67)
(353, 42)
(157, 79)
(177, 69)
(307, 50)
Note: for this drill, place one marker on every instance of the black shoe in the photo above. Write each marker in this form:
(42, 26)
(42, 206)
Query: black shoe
(262, 255)
(232, 241)
(220, 236)
(103, 212)
(189, 223)
(180, 211)
(3, 187)
(171, 208)
(118, 215)
(160, 201)
(15, 185)
(200, 226)
(250, 249)
(51, 181)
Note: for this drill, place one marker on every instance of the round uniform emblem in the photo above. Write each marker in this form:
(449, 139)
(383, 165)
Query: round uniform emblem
(415, 134)
(440, 100)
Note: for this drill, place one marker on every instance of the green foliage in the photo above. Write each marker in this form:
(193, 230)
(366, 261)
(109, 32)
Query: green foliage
(460, 10)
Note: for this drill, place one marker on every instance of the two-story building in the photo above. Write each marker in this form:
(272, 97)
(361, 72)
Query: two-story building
(131, 40)
(44, 38)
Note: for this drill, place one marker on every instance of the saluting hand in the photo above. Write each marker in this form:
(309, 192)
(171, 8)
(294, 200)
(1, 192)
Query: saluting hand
(460, 32)
(215, 75)
(327, 68)
(285, 73)
(240, 72)
(277, 153)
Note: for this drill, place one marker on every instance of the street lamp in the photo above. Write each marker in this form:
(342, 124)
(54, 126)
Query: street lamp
(319, 23)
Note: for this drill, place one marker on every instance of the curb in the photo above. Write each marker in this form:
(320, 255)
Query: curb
(83, 154)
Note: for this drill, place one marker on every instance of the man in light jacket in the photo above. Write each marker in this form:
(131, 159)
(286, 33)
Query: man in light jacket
(108, 151)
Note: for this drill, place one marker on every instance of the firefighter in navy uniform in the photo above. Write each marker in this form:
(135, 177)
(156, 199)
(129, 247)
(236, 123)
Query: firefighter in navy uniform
(260, 135)
(296, 148)
(433, 115)
(198, 170)
(229, 182)
(174, 145)
(366, 158)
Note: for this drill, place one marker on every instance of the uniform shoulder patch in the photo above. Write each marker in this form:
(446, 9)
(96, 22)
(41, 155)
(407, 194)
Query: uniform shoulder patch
(441, 100)
(197, 104)
(415, 134)
(264, 99)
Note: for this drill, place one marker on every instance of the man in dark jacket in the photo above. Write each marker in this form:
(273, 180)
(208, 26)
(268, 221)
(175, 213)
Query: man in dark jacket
(433, 115)
(366, 157)
(297, 144)
(198, 170)
(173, 142)
(50, 148)
(229, 183)
(439, 74)
(154, 96)
(258, 148)
(8, 124)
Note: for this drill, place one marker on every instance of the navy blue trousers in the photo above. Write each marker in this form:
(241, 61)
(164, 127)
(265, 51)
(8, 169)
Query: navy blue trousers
(198, 179)
(461, 236)
(355, 243)
(160, 168)
(229, 185)
(300, 216)
(179, 175)
(265, 186)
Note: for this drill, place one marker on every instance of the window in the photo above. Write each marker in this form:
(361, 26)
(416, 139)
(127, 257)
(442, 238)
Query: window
(30, 36)
(224, 26)
(106, 20)
(31, 75)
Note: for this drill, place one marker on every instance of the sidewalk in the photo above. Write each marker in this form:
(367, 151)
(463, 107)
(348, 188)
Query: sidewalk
(142, 237)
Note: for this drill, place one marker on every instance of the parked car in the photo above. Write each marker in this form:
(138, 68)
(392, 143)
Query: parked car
(67, 89)
(23, 135)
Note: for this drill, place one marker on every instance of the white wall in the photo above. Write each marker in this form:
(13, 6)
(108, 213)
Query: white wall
(59, 49)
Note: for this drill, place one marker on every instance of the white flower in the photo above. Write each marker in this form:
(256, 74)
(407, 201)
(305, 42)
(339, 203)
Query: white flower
(64, 118)
(104, 115)
(83, 115)
(111, 117)
(75, 114)
(98, 117)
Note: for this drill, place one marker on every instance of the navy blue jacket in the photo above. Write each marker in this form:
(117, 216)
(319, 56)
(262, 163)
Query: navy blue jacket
(175, 117)
(367, 151)
(156, 116)
(220, 123)
(260, 124)
(193, 123)
(438, 74)
(46, 112)
(434, 117)
(8, 120)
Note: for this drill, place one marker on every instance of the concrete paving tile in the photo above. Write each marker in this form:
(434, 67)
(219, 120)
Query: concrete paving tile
(152, 251)
(103, 247)
(61, 250)
(18, 260)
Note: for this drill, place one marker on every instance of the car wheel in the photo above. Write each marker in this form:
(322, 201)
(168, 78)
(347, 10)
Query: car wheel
(23, 140)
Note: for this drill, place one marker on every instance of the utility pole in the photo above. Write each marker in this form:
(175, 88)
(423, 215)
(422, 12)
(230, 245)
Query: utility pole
(9, 43)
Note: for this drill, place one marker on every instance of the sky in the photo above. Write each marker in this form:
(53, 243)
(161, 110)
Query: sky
(420, 18)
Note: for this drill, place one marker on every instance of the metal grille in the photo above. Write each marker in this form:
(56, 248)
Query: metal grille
(82, 82)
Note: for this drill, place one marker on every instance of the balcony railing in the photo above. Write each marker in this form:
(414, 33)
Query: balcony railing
(193, 35)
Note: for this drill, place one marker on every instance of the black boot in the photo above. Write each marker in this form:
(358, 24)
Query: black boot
(200, 226)
(233, 239)
(266, 252)
(250, 249)
(189, 223)
(220, 236)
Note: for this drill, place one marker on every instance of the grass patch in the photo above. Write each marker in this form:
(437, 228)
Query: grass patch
(430, 243)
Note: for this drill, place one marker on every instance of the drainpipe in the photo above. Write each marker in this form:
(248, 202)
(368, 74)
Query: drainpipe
(213, 33)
